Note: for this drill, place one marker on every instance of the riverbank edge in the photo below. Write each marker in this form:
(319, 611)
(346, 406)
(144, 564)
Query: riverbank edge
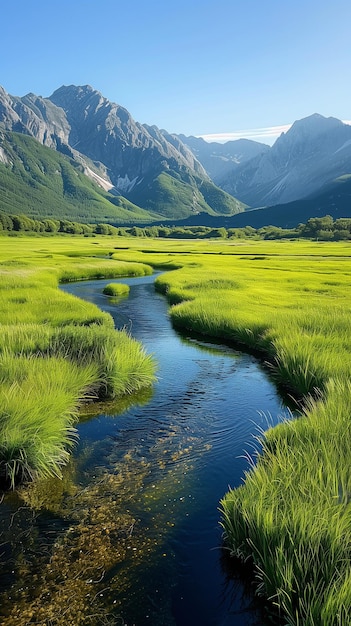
(299, 565)
(99, 363)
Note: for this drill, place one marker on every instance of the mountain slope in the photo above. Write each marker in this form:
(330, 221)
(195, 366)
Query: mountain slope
(39, 182)
(148, 166)
(219, 159)
(334, 200)
(314, 152)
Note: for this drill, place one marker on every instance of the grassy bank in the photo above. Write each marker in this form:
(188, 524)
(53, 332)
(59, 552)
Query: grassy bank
(292, 516)
(291, 302)
(55, 351)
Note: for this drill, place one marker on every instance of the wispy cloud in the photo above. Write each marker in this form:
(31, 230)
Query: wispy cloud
(268, 134)
(264, 135)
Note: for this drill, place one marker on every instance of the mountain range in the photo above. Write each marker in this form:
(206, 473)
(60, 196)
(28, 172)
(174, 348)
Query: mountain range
(134, 163)
(76, 155)
(222, 159)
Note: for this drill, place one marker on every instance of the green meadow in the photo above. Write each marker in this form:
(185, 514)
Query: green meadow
(57, 351)
(288, 301)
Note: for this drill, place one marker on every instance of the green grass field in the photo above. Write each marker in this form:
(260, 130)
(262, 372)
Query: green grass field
(291, 302)
(56, 350)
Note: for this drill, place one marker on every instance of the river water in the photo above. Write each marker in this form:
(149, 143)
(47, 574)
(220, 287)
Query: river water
(141, 498)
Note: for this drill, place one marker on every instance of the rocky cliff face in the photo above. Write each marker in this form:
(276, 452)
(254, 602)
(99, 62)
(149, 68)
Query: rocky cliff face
(106, 132)
(315, 151)
(35, 116)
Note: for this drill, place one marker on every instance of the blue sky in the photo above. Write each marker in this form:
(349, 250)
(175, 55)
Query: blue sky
(198, 67)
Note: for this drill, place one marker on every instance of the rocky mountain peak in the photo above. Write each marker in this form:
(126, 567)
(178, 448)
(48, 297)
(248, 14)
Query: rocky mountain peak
(312, 152)
(69, 93)
(310, 129)
(106, 131)
(315, 124)
(35, 116)
(75, 99)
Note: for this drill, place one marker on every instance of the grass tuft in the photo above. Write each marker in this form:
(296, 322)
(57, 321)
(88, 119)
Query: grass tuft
(116, 289)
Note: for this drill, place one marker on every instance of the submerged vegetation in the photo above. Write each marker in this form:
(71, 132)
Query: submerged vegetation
(290, 301)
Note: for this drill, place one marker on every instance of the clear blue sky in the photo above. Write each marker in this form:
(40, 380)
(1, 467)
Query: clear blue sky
(189, 66)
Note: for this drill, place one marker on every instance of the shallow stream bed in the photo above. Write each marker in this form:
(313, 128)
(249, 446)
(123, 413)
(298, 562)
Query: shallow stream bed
(131, 536)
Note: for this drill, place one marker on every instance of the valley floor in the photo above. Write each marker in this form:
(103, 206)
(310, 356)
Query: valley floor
(291, 302)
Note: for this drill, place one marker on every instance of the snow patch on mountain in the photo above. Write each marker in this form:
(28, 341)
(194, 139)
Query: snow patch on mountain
(125, 184)
(102, 182)
(3, 156)
(346, 144)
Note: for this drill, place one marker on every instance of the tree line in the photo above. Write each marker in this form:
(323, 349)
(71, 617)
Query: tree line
(25, 224)
(317, 228)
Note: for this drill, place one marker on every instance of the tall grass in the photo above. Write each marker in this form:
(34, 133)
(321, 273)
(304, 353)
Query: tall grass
(55, 351)
(116, 289)
(109, 269)
(123, 365)
(292, 517)
(44, 378)
(39, 401)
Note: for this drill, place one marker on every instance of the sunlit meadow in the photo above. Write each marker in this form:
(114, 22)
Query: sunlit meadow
(289, 302)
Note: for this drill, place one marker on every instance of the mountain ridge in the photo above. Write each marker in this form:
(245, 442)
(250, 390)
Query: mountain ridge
(219, 159)
(312, 153)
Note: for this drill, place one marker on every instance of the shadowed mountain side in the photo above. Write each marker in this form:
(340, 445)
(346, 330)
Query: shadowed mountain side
(220, 159)
(335, 200)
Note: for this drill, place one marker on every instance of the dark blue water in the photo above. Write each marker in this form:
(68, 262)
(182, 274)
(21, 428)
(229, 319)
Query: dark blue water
(184, 446)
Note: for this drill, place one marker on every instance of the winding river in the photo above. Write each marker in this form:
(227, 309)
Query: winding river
(142, 493)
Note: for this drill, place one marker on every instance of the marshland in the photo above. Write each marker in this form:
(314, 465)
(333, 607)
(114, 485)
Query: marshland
(288, 515)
